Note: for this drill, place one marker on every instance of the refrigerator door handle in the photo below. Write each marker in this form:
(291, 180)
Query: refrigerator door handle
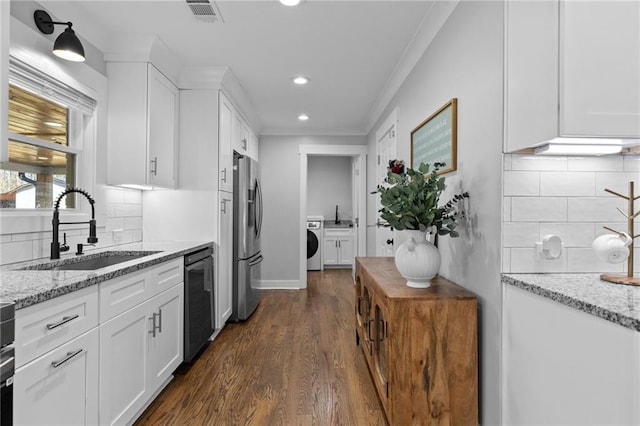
(256, 261)
(258, 207)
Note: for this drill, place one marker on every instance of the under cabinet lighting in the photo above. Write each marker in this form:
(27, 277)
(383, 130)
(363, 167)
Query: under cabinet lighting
(303, 117)
(53, 124)
(290, 2)
(301, 80)
(577, 149)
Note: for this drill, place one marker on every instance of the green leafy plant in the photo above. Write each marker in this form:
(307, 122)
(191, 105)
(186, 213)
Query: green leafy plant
(410, 199)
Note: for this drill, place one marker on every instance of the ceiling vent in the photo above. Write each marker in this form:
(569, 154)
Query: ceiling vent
(205, 10)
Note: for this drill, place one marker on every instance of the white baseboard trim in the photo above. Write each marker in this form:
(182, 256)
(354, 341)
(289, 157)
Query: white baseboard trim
(280, 285)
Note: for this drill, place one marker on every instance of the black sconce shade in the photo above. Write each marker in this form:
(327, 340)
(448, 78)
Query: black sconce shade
(67, 45)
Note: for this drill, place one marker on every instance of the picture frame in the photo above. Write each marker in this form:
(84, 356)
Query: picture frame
(436, 138)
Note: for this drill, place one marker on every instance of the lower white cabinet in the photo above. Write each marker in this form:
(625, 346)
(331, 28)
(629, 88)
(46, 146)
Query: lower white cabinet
(562, 366)
(338, 247)
(139, 349)
(61, 386)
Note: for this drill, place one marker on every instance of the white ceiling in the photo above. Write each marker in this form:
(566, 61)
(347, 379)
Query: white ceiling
(349, 49)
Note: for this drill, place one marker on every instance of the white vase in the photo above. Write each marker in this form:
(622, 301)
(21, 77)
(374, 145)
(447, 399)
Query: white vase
(417, 259)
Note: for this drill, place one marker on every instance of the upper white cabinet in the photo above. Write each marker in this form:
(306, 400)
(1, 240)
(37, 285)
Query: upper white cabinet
(225, 150)
(600, 68)
(571, 69)
(142, 126)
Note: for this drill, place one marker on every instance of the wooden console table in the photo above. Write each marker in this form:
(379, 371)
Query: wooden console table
(420, 345)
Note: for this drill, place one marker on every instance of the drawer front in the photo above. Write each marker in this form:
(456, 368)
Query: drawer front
(44, 326)
(123, 293)
(60, 387)
(338, 232)
(166, 275)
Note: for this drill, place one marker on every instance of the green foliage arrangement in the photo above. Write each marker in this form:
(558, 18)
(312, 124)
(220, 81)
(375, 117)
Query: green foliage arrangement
(410, 199)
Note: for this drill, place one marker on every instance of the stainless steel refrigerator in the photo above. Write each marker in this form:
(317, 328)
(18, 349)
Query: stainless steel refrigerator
(247, 224)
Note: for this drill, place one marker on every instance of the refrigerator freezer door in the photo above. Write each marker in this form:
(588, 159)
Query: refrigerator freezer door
(246, 292)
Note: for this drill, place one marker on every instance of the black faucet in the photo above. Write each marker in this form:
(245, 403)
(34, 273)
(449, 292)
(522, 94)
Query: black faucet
(55, 244)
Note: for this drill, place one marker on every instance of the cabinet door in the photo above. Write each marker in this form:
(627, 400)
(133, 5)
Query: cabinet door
(163, 130)
(380, 337)
(600, 68)
(165, 342)
(60, 387)
(330, 249)
(224, 296)
(253, 146)
(531, 73)
(123, 365)
(564, 366)
(225, 151)
(240, 135)
(345, 251)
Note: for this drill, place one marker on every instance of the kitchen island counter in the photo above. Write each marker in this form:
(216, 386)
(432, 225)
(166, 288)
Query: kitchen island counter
(28, 287)
(586, 292)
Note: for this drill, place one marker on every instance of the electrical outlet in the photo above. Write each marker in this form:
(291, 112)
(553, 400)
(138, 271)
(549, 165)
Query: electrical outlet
(117, 234)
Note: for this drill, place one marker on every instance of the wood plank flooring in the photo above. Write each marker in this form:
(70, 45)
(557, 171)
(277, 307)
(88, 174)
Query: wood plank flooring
(294, 362)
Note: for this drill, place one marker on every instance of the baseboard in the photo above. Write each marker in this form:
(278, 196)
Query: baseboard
(280, 285)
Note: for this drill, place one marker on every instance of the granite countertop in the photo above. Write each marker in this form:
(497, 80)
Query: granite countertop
(342, 224)
(28, 287)
(617, 303)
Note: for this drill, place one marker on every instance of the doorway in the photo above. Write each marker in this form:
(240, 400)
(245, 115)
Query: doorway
(387, 147)
(358, 155)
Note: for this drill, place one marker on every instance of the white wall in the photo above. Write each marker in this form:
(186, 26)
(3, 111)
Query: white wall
(329, 184)
(280, 163)
(564, 196)
(465, 61)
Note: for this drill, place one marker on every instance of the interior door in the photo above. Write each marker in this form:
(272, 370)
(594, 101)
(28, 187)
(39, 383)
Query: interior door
(387, 150)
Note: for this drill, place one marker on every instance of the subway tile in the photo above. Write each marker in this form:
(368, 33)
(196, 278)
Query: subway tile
(568, 184)
(506, 209)
(523, 260)
(132, 223)
(114, 223)
(521, 183)
(132, 196)
(594, 209)
(17, 251)
(136, 210)
(572, 234)
(618, 182)
(5, 238)
(520, 234)
(618, 226)
(585, 260)
(114, 195)
(529, 162)
(542, 209)
(543, 265)
(506, 260)
(631, 163)
(506, 161)
(607, 163)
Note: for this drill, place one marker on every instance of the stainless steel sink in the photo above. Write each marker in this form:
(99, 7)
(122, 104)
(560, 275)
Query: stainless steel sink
(90, 262)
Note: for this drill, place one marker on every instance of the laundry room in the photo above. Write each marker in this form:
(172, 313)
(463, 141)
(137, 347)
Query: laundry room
(330, 239)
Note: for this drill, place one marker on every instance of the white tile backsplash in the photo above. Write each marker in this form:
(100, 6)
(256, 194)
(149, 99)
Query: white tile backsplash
(567, 200)
(123, 210)
(567, 184)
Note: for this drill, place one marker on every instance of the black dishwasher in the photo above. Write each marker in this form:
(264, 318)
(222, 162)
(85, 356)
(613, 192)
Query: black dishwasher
(199, 311)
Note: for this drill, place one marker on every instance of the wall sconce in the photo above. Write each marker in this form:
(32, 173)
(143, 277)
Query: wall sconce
(67, 45)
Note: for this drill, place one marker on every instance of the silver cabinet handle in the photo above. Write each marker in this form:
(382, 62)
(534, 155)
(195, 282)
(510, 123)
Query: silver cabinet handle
(155, 326)
(223, 178)
(223, 206)
(56, 364)
(154, 163)
(63, 321)
(159, 320)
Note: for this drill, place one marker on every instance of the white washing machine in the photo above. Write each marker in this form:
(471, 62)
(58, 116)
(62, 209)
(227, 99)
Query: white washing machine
(314, 242)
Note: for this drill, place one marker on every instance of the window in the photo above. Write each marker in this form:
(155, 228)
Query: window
(44, 148)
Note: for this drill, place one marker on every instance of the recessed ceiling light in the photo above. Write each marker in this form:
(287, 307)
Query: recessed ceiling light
(42, 158)
(53, 124)
(303, 117)
(290, 2)
(300, 80)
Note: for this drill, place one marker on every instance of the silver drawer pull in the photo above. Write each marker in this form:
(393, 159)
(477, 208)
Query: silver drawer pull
(56, 364)
(63, 321)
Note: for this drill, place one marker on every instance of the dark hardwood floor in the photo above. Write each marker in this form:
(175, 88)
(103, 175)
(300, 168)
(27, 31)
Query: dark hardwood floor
(294, 362)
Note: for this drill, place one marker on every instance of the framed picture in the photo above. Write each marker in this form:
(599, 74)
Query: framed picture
(435, 139)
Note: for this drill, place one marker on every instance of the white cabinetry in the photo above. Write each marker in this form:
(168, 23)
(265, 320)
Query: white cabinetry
(564, 366)
(224, 296)
(56, 381)
(141, 338)
(225, 150)
(571, 70)
(338, 246)
(142, 126)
